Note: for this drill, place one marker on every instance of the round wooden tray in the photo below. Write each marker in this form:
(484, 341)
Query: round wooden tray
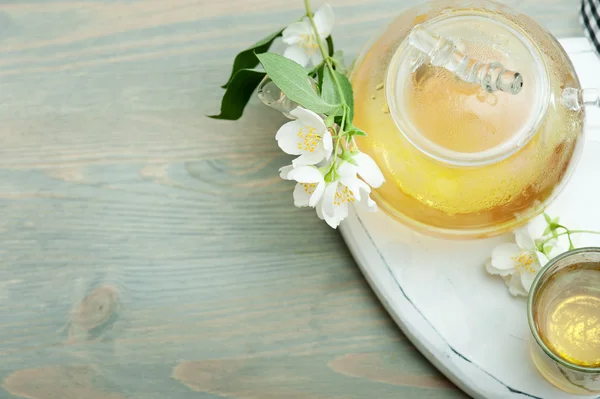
(462, 319)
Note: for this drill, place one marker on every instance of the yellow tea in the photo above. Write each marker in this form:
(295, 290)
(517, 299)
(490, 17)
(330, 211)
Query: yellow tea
(567, 315)
(522, 144)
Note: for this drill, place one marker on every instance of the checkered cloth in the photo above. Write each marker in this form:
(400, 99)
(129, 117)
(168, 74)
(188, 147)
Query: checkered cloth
(590, 18)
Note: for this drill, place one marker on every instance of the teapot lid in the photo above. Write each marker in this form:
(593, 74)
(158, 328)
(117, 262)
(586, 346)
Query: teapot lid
(458, 122)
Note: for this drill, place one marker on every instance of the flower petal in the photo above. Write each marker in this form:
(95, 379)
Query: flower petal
(515, 286)
(353, 185)
(488, 266)
(536, 226)
(316, 58)
(327, 142)
(310, 118)
(317, 194)
(301, 196)
(332, 221)
(293, 33)
(365, 199)
(541, 258)
(287, 138)
(310, 158)
(370, 205)
(524, 239)
(527, 279)
(347, 170)
(319, 209)
(305, 174)
(342, 211)
(324, 20)
(284, 171)
(297, 55)
(503, 262)
(368, 170)
(328, 197)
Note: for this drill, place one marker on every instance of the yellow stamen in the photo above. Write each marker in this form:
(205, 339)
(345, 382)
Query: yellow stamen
(309, 140)
(524, 262)
(309, 44)
(343, 195)
(309, 188)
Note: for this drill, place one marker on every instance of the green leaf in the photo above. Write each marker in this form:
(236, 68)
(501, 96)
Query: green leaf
(330, 47)
(247, 58)
(330, 120)
(347, 156)
(238, 93)
(355, 131)
(352, 131)
(329, 91)
(547, 231)
(320, 77)
(292, 79)
(340, 64)
(313, 72)
(346, 87)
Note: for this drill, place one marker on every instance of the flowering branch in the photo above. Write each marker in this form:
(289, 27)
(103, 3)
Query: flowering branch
(518, 263)
(329, 176)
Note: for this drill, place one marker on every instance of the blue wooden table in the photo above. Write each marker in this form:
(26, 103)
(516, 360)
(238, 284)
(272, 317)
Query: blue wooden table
(150, 252)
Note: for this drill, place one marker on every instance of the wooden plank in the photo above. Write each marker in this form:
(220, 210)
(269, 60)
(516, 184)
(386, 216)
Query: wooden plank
(148, 251)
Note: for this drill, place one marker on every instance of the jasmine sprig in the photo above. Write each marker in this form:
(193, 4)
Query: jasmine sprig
(551, 233)
(343, 88)
(313, 90)
(336, 98)
(246, 75)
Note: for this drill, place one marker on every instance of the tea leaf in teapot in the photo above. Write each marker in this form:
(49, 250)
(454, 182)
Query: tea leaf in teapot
(238, 93)
(247, 58)
(292, 79)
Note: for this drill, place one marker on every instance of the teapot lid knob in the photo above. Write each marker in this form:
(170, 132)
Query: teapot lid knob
(444, 53)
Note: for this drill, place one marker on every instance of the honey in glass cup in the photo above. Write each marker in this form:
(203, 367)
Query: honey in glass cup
(461, 162)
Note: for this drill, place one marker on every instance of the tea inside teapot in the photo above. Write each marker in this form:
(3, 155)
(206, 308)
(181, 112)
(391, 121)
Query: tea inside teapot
(460, 161)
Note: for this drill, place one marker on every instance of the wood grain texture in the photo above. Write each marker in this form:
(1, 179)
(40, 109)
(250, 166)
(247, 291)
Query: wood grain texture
(150, 252)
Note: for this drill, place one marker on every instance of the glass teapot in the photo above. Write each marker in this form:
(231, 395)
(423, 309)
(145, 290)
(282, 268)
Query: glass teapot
(474, 114)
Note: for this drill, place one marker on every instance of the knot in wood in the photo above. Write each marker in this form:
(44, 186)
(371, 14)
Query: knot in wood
(96, 308)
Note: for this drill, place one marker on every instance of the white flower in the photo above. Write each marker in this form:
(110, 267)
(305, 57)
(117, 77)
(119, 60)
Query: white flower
(310, 186)
(304, 48)
(340, 193)
(368, 170)
(306, 136)
(330, 199)
(518, 263)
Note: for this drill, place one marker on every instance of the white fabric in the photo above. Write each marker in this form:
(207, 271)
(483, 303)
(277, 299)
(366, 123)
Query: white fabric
(590, 18)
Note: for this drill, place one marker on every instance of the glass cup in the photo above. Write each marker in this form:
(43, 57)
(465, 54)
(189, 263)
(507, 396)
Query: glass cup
(564, 317)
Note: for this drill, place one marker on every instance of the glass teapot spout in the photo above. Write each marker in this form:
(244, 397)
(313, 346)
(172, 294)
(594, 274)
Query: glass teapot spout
(575, 99)
(272, 96)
